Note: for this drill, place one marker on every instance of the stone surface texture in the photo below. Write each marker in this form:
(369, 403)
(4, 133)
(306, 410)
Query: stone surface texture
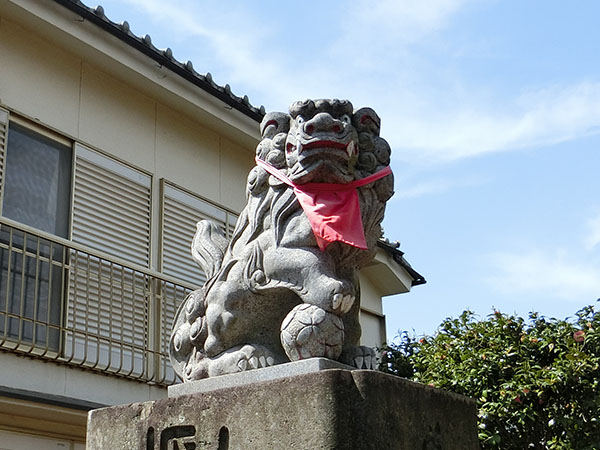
(329, 409)
(271, 373)
(277, 292)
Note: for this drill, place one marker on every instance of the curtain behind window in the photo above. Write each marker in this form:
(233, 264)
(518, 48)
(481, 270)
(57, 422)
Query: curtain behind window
(37, 183)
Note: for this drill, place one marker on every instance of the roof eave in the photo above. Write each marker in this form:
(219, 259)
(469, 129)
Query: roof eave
(392, 249)
(164, 58)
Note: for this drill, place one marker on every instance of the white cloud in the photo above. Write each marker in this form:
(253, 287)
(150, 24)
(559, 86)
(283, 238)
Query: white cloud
(552, 274)
(433, 187)
(543, 117)
(373, 29)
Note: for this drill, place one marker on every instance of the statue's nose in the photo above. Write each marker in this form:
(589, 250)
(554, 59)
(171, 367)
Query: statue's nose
(323, 122)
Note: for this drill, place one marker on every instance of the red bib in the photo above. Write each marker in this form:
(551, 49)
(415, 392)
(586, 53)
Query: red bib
(332, 209)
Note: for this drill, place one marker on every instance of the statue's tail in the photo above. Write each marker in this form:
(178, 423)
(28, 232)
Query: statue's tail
(186, 346)
(208, 247)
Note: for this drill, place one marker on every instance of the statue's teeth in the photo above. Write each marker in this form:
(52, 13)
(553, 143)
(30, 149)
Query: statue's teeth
(350, 148)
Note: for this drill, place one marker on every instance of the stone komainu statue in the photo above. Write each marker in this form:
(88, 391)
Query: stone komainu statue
(286, 286)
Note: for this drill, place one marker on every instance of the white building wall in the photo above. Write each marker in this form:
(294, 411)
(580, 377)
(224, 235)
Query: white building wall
(82, 101)
(39, 79)
(24, 441)
(372, 320)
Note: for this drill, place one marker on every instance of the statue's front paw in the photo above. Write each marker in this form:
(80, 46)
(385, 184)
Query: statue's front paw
(361, 357)
(330, 294)
(340, 298)
(311, 332)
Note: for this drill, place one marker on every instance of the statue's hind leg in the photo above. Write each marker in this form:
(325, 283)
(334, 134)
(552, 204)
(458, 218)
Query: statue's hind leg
(236, 315)
(241, 358)
(186, 347)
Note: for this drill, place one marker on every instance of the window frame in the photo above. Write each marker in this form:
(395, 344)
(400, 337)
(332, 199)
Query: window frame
(47, 347)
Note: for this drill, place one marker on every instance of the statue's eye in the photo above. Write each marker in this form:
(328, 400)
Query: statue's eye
(299, 120)
(346, 119)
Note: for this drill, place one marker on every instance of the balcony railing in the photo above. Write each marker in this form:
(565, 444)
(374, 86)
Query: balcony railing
(67, 303)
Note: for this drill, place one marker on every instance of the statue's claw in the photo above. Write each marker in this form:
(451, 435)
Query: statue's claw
(337, 301)
(196, 367)
(341, 303)
(332, 295)
(347, 303)
(361, 357)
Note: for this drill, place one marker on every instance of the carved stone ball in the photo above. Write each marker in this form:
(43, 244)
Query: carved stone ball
(309, 332)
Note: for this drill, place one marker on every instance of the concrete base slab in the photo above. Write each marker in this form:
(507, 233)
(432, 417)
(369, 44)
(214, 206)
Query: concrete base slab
(327, 409)
(277, 372)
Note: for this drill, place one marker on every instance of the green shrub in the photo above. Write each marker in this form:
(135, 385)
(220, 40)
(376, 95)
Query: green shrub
(536, 381)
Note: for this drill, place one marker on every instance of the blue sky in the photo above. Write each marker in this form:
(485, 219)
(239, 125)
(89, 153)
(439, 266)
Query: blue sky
(492, 110)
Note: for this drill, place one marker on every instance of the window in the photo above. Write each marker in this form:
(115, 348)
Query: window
(45, 286)
(111, 207)
(36, 192)
(37, 181)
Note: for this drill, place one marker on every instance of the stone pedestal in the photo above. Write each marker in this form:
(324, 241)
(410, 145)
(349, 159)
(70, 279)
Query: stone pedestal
(327, 409)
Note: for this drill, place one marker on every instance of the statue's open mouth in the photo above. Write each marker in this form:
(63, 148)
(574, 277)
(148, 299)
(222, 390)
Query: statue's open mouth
(323, 144)
(349, 148)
